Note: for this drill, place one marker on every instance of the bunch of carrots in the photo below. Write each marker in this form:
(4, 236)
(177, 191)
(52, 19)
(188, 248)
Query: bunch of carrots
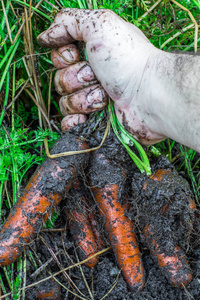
(49, 185)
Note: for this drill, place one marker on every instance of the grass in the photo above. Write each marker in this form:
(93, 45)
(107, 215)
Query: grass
(28, 106)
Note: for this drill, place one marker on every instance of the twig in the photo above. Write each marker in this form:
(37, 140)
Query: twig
(7, 23)
(67, 289)
(79, 151)
(67, 277)
(52, 5)
(193, 20)
(41, 268)
(149, 10)
(83, 275)
(115, 283)
(18, 94)
(59, 272)
(65, 59)
(49, 96)
(38, 105)
(176, 35)
(65, 251)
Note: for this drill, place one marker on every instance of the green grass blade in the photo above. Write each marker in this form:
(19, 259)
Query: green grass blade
(33, 8)
(6, 97)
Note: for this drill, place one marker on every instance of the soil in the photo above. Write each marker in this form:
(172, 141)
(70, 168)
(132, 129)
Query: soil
(148, 198)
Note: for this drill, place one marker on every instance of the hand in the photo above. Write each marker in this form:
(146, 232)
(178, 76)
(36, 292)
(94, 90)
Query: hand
(118, 54)
(156, 94)
(130, 101)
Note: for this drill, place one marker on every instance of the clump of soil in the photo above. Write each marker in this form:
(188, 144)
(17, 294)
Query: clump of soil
(178, 225)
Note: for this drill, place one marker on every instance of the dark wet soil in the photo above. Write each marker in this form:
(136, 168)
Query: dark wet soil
(166, 205)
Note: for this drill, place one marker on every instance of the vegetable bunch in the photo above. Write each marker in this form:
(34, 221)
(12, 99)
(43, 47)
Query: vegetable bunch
(107, 181)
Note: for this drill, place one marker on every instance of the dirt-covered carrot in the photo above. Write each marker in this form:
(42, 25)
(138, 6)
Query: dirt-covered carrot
(84, 232)
(173, 262)
(49, 290)
(107, 193)
(174, 266)
(83, 236)
(96, 231)
(43, 192)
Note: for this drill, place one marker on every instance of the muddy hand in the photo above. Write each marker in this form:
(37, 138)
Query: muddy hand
(112, 45)
(156, 94)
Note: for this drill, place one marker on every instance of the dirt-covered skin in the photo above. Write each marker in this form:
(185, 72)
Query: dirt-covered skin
(155, 93)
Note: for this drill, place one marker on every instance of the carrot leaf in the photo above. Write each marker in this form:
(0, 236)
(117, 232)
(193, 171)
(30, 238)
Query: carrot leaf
(128, 141)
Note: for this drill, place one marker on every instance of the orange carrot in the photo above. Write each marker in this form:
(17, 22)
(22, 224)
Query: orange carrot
(174, 265)
(83, 227)
(117, 224)
(192, 205)
(49, 290)
(43, 192)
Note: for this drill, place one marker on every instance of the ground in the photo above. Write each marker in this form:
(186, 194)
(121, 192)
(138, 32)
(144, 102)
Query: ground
(179, 224)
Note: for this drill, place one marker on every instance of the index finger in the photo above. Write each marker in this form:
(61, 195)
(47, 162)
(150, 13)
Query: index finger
(72, 24)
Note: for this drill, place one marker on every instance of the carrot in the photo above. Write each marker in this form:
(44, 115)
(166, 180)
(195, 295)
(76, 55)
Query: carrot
(49, 290)
(97, 234)
(84, 232)
(43, 192)
(192, 205)
(83, 236)
(173, 265)
(118, 226)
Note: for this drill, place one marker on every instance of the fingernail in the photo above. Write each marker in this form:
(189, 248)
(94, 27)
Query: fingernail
(97, 98)
(68, 54)
(85, 74)
(41, 39)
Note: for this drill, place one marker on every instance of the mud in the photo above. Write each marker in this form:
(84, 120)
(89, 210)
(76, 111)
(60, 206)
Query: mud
(165, 205)
(68, 166)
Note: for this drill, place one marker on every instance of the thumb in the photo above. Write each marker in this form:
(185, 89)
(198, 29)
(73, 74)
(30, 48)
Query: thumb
(72, 24)
(56, 36)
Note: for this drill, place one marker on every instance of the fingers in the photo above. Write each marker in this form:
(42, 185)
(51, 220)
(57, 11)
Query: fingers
(73, 78)
(71, 121)
(85, 101)
(56, 36)
(76, 105)
(64, 56)
(76, 24)
(70, 25)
